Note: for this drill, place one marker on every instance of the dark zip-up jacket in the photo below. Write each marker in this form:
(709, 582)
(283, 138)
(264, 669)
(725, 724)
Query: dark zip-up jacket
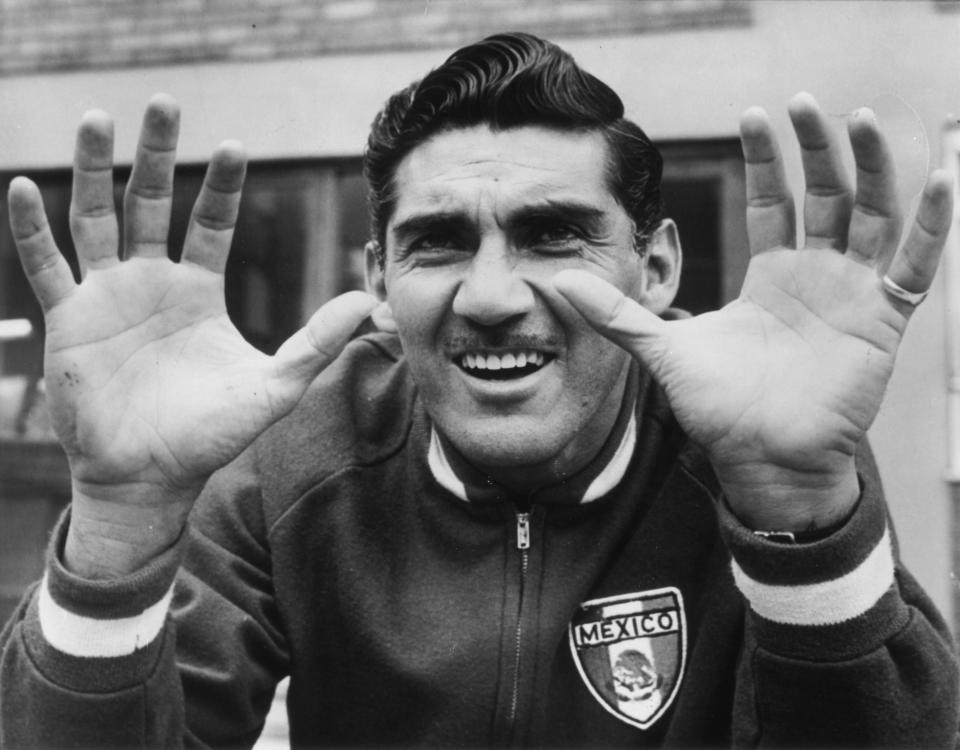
(412, 602)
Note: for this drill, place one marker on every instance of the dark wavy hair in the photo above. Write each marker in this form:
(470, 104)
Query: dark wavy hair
(508, 81)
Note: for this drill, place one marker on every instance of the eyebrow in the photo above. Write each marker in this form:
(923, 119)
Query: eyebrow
(567, 211)
(430, 222)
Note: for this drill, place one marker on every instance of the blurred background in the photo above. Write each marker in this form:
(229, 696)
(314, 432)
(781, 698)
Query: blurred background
(298, 81)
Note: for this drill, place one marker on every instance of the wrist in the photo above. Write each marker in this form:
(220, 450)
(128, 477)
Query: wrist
(794, 502)
(118, 529)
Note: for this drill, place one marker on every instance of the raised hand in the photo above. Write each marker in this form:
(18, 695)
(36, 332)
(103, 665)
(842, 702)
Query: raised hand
(780, 385)
(151, 387)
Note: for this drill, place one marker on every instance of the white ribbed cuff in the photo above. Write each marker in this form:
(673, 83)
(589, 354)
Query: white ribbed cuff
(826, 603)
(89, 637)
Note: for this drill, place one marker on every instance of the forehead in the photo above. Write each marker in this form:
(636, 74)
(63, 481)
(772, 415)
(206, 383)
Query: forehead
(463, 168)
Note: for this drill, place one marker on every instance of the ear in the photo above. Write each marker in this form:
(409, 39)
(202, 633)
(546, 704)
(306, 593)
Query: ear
(662, 260)
(382, 315)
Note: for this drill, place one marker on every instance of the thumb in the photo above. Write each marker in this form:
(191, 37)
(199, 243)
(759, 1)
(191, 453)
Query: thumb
(307, 352)
(622, 320)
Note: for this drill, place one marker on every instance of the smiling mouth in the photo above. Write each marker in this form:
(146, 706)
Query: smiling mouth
(504, 365)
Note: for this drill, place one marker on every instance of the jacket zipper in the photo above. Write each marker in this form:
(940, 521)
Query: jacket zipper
(523, 545)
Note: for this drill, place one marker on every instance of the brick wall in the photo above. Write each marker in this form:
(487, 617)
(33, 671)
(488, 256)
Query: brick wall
(48, 35)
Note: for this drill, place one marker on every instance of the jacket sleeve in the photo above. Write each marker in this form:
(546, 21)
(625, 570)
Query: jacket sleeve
(185, 652)
(842, 646)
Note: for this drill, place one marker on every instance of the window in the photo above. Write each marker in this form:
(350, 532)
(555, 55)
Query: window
(704, 193)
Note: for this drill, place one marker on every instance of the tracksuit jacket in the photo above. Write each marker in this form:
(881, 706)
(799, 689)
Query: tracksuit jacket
(412, 601)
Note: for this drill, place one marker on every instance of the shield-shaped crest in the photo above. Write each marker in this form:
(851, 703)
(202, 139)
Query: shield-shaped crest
(630, 651)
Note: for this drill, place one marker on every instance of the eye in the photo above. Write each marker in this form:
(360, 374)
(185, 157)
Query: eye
(557, 234)
(432, 242)
(433, 248)
(555, 237)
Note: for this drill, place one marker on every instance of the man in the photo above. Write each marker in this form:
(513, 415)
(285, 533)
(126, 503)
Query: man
(488, 524)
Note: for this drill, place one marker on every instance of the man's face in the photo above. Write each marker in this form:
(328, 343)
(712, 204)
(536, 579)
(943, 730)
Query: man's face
(508, 371)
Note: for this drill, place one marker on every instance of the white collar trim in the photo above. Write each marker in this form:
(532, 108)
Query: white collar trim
(613, 472)
(442, 470)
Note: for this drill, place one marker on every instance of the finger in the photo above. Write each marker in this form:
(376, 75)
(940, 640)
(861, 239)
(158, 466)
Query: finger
(93, 218)
(148, 198)
(770, 212)
(215, 213)
(829, 198)
(915, 265)
(308, 351)
(45, 267)
(613, 314)
(877, 221)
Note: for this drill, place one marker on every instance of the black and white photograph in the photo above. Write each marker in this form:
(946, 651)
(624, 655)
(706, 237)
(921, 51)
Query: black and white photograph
(479, 373)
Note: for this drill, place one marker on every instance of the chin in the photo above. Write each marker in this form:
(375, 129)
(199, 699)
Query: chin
(507, 443)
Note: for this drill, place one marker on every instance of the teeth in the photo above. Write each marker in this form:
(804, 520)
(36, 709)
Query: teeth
(501, 362)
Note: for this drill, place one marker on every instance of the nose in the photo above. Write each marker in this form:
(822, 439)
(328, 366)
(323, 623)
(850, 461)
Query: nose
(492, 290)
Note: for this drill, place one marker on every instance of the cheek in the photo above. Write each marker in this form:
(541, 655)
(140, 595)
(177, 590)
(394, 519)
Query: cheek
(419, 305)
(592, 362)
(620, 265)
(596, 363)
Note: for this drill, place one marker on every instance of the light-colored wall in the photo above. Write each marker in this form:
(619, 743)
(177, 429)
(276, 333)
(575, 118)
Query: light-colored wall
(900, 57)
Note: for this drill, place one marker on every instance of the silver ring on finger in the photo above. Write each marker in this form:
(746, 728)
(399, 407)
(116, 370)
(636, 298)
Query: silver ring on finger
(892, 288)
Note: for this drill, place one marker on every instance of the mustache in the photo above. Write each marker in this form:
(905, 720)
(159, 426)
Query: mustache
(500, 339)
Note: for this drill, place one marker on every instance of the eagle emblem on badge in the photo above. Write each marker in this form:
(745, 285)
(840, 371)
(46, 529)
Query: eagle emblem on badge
(630, 651)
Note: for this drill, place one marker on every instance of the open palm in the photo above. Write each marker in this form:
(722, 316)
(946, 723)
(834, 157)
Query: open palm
(151, 381)
(793, 370)
(781, 385)
(151, 386)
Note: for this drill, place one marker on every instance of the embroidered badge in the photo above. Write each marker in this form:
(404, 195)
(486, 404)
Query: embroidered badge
(630, 651)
